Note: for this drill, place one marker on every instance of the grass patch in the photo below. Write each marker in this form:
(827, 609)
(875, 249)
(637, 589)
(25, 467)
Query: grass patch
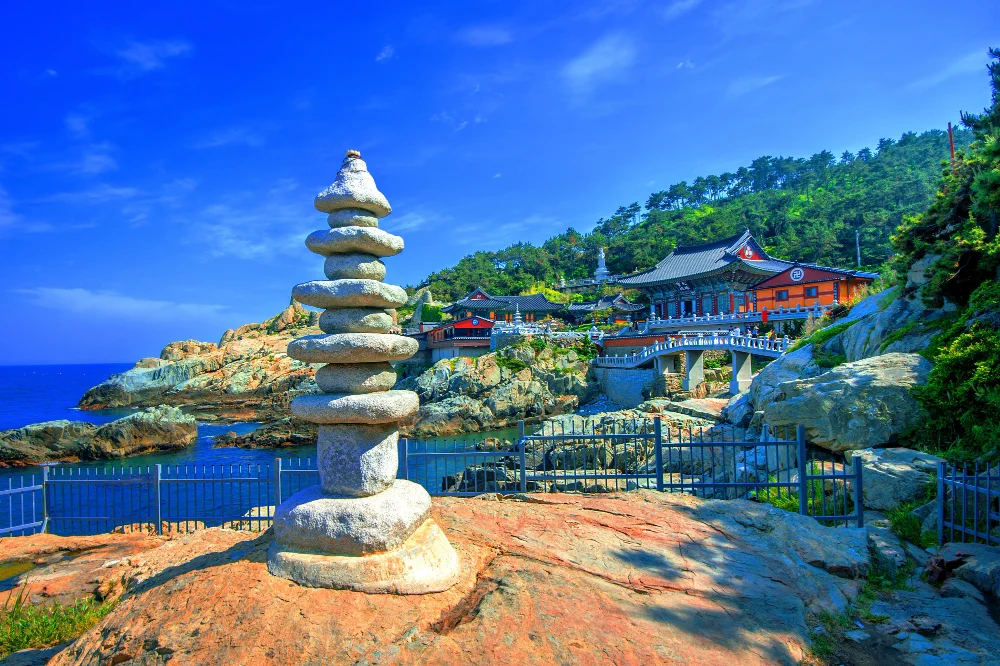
(822, 335)
(24, 626)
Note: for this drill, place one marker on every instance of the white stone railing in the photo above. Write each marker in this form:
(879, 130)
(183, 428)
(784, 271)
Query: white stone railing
(695, 342)
(735, 318)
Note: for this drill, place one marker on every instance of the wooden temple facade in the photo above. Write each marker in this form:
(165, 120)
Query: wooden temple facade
(735, 275)
(710, 278)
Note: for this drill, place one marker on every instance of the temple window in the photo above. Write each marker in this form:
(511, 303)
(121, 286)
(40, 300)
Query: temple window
(781, 295)
(812, 292)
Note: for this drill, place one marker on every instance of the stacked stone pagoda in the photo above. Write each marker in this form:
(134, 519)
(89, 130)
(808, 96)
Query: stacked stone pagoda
(361, 528)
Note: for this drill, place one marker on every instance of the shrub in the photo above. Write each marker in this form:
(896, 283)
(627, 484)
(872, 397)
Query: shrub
(513, 364)
(24, 626)
(822, 335)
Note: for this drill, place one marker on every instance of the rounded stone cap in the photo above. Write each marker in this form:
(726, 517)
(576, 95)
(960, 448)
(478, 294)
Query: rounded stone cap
(353, 188)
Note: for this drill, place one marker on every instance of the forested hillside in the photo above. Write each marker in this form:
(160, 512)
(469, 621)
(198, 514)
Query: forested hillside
(805, 209)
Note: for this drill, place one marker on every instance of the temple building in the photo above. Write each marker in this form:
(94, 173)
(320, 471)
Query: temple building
(465, 337)
(622, 309)
(736, 275)
(805, 285)
(709, 278)
(502, 308)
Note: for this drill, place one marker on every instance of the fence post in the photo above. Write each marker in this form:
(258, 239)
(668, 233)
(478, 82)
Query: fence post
(45, 500)
(277, 483)
(524, 456)
(156, 497)
(658, 451)
(800, 437)
(859, 507)
(941, 471)
(404, 459)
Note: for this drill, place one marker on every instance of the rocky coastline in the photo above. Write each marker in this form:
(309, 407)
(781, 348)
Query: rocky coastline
(152, 429)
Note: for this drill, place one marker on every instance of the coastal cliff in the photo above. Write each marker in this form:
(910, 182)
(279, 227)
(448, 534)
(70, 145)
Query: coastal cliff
(246, 376)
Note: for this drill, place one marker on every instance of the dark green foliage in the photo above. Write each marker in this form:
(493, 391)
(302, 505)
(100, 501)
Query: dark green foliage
(962, 395)
(805, 209)
(431, 313)
(513, 364)
(907, 526)
(825, 359)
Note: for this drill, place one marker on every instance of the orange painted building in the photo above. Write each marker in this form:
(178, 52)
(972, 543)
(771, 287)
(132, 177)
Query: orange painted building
(465, 337)
(806, 285)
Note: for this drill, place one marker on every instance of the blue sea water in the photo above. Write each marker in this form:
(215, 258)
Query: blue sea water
(32, 394)
(36, 393)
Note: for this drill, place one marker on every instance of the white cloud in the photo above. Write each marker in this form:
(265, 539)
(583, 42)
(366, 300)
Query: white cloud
(408, 222)
(98, 194)
(685, 64)
(385, 55)
(679, 8)
(485, 36)
(971, 63)
(78, 125)
(139, 58)
(111, 304)
(96, 159)
(51, 72)
(604, 61)
(748, 84)
(231, 136)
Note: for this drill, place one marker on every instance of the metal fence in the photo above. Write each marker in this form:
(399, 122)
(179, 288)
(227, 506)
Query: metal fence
(968, 503)
(589, 456)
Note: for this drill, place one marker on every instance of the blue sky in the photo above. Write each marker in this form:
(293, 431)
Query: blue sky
(158, 161)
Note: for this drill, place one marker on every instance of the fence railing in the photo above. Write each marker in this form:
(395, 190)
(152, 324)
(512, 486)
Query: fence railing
(744, 343)
(587, 456)
(968, 503)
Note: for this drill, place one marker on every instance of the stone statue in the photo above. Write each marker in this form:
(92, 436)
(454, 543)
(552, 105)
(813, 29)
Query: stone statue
(361, 528)
(601, 274)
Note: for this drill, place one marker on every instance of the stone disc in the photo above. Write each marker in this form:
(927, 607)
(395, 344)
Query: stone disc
(355, 320)
(352, 348)
(349, 294)
(354, 266)
(351, 217)
(346, 240)
(355, 377)
(357, 460)
(385, 407)
(313, 521)
(425, 563)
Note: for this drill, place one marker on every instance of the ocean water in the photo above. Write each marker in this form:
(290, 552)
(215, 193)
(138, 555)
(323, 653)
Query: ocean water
(36, 393)
(32, 394)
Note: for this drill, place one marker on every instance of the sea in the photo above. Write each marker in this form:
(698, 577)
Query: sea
(37, 393)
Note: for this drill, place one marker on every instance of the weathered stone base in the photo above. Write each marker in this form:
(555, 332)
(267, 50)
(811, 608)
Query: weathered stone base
(311, 521)
(425, 563)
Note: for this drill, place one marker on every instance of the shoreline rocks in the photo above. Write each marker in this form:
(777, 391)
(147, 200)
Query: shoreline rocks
(152, 429)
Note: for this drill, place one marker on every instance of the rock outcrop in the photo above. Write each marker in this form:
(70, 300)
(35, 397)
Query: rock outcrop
(895, 475)
(498, 389)
(152, 429)
(247, 376)
(856, 405)
(639, 578)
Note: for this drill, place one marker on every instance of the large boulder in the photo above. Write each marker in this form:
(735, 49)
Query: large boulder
(153, 429)
(895, 475)
(763, 390)
(858, 405)
(39, 442)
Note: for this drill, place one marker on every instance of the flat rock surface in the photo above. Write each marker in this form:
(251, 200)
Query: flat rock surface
(641, 578)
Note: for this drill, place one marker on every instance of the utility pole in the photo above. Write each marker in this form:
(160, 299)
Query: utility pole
(857, 244)
(951, 142)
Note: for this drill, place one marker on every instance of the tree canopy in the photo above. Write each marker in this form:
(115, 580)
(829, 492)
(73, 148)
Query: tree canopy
(805, 209)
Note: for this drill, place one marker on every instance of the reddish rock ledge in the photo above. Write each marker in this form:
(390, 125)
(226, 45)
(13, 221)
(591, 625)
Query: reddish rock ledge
(637, 578)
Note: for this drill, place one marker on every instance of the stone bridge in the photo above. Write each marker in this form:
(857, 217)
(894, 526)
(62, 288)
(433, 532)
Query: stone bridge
(663, 356)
